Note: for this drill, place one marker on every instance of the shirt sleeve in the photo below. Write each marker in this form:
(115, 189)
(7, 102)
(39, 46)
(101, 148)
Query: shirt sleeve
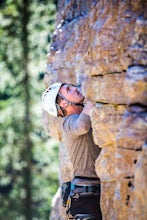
(77, 124)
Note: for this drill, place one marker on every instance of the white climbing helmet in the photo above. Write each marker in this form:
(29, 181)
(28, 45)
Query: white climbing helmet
(49, 99)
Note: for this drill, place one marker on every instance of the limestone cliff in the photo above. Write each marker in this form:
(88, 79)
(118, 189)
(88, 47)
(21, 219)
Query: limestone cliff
(101, 45)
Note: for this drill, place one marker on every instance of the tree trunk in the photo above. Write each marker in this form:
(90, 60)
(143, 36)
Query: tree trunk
(27, 120)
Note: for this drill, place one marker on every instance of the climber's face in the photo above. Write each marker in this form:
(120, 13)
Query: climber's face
(71, 93)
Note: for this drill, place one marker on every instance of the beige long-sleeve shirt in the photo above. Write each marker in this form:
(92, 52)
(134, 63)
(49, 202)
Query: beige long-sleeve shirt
(77, 137)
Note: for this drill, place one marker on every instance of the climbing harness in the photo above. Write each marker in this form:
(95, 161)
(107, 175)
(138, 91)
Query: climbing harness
(71, 191)
(84, 217)
(84, 190)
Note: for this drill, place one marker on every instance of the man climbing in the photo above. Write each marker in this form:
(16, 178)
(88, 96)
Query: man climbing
(81, 196)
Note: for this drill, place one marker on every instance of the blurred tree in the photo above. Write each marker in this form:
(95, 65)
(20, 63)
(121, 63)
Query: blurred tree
(28, 158)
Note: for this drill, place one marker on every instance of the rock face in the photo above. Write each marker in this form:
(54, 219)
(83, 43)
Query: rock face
(102, 46)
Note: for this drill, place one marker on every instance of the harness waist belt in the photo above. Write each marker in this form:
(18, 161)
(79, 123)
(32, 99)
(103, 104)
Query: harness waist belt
(85, 189)
(86, 178)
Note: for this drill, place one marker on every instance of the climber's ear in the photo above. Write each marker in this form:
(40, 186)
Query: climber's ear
(63, 103)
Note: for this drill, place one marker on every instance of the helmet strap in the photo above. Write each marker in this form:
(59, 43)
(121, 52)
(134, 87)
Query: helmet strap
(60, 110)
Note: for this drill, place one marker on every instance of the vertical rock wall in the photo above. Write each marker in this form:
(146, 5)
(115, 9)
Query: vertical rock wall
(101, 45)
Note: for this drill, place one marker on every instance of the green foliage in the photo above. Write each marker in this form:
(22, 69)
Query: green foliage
(28, 158)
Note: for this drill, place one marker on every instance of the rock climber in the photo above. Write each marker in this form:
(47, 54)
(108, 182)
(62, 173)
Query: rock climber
(80, 196)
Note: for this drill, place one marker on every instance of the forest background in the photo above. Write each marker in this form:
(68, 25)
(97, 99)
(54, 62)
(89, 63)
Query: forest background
(28, 157)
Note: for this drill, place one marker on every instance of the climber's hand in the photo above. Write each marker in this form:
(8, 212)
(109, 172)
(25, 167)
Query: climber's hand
(88, 105)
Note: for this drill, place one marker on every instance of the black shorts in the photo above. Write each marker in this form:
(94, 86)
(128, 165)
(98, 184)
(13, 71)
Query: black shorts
(86, 205)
